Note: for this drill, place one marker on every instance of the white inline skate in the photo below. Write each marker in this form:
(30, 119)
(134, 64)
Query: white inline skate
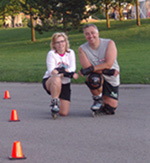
(97, 106)
(54, 107)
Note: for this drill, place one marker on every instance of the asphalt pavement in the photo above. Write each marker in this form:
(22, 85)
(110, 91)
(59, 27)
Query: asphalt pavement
(77, 138)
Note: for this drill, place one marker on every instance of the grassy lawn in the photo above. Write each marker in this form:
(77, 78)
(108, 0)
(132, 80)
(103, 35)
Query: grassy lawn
(25, 61)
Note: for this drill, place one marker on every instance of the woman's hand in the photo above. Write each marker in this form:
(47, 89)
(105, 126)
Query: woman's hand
(54, 72)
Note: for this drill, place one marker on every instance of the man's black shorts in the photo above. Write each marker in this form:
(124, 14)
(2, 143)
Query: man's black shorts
(65, 90)
(110, 91)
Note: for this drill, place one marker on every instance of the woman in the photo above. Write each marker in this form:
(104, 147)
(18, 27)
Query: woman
(61, 65)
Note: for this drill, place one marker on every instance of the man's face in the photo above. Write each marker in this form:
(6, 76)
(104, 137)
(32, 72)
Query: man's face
(91, 35)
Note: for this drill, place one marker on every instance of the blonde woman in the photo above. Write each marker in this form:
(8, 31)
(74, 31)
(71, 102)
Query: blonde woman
(61, 67)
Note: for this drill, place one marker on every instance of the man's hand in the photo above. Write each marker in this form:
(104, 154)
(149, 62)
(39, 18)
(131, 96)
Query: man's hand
(75, 76)
(110, 72)
(87, 71)
(116, 73)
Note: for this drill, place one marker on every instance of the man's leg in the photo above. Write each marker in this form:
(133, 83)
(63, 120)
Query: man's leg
(110, 105)
(110, 98)
(94, 82)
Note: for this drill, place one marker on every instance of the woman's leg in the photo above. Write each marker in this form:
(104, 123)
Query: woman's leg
(64, 107)
(53, 85)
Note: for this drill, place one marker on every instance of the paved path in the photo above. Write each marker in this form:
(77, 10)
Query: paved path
(78, 138)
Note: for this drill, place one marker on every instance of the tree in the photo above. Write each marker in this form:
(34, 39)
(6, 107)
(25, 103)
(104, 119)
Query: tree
(2, 11)
(120, 3)
(67, 13)
(29, 8)
(14, 7)
(11, 8)
(138, 22)
(105, 5)
(137, 13)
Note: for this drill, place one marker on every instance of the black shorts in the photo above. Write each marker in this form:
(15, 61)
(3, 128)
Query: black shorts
(65, 90)
(110, 91)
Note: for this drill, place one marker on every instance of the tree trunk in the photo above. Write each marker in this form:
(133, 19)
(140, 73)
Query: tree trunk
(12, 21)
(137, 13)
(32, 27)
(107, 18)
(120, 12)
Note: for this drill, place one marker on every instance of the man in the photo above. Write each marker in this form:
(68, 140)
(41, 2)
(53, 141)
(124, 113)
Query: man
(98, 57)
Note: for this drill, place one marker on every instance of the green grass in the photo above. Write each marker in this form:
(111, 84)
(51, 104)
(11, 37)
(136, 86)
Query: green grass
(25, 61)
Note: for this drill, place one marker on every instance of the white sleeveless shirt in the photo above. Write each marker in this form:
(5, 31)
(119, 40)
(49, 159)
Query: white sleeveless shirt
(98, 56)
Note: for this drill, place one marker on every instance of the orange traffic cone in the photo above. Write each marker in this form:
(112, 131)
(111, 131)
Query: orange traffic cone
(7, 96)
(17, 151)
(14, 116)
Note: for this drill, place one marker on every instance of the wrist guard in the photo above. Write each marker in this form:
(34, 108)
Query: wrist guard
(60, 69)
(68, 74)
(109, 72)
(87, 71)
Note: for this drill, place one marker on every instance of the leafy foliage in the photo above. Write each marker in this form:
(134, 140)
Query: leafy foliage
(9, 7)
(63, 12)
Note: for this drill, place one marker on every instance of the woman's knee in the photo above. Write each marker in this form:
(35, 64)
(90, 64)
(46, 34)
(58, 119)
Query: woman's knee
(63, 113)
(56, 80)
(64, 107)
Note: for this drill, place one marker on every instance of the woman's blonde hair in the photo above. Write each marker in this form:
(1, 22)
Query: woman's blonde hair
(54, 38)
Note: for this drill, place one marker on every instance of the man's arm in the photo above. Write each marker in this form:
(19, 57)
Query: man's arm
(83, 59)
(111, 54)
(85, 63)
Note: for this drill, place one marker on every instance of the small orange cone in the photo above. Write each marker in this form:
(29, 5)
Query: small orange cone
(17, 151)
(7, 95)
(14, 116)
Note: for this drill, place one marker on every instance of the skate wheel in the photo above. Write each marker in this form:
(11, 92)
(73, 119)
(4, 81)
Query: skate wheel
(93, 114)
(54, 116)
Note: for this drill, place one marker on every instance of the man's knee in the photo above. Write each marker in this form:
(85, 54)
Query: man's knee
(94, 81)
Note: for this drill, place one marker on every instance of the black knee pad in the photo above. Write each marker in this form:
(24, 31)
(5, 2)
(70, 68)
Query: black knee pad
(109, 109)
(94, 81)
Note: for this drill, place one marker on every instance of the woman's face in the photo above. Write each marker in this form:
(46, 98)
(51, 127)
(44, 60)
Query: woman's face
(60, 45)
